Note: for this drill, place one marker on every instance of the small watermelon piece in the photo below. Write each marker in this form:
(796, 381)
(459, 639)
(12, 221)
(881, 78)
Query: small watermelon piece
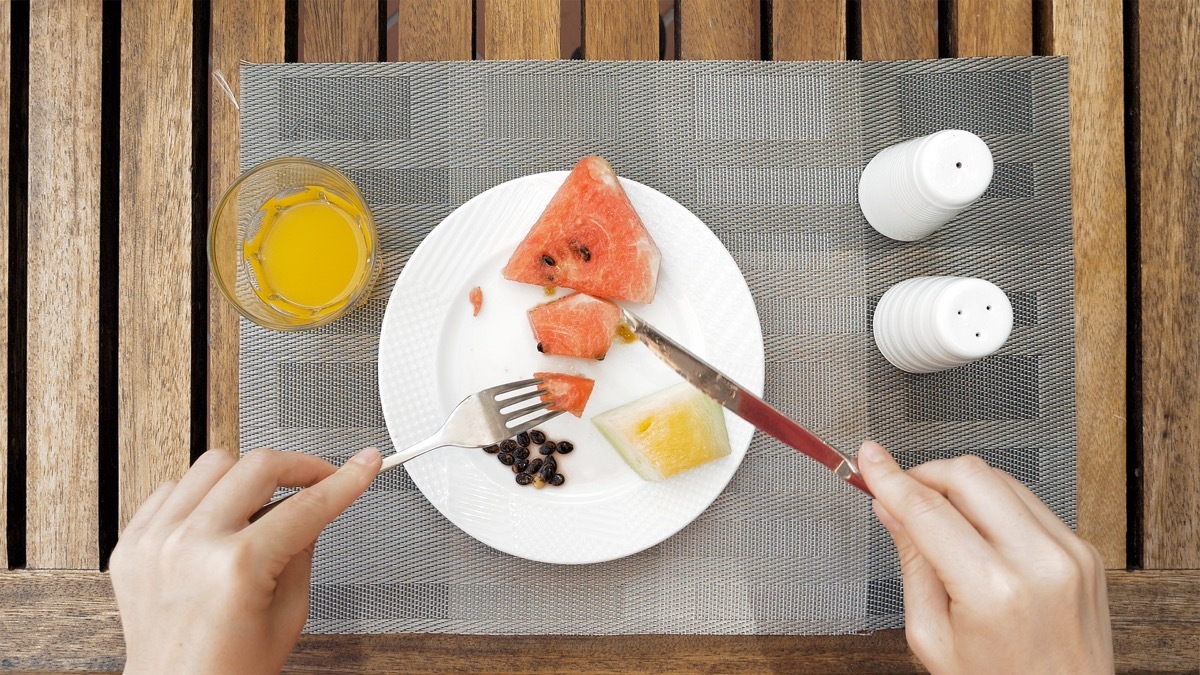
(575, 325)
(476, 298)
(667, 432)
(589, 239)
(566, 392)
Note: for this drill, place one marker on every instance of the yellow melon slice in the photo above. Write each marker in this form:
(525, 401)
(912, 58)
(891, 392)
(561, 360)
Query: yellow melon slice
(667, 432)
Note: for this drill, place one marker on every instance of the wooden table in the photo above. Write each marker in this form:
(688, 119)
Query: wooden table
(120, 358)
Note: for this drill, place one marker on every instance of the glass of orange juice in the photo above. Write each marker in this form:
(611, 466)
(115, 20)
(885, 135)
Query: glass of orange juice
(293, 244)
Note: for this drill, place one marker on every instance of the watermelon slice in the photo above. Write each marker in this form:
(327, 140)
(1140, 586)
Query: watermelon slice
(577, 325)
(589, 239)
(566, 392)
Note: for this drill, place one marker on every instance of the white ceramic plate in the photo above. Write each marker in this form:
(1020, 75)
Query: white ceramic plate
(433, 353)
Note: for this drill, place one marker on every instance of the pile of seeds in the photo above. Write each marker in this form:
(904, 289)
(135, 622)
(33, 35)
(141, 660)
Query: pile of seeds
(538, 471)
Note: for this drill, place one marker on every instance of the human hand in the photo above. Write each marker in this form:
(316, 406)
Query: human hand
(201, 589)
(993, 581)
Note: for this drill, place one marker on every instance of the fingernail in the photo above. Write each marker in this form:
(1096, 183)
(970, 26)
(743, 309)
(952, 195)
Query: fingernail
(872, 453)
(366, 456)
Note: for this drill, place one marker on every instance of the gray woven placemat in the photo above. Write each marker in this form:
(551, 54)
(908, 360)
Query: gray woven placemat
(768, 155)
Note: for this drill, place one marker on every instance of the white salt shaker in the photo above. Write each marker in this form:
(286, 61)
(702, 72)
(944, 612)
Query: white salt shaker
(911, 189)
(929, 324)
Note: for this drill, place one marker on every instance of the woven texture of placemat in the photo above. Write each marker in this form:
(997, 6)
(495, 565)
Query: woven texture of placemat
(768, 155)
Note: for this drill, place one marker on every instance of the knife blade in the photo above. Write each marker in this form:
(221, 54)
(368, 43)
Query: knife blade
(741, 402)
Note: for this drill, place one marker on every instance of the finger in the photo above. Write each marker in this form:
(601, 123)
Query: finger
(1040, 511)
(153, 503)
(296, 523)
(250, 483)
(1036, 506)
(987, 501)
(195, 484)
(291, 593)
(941, 534)
(926, 603)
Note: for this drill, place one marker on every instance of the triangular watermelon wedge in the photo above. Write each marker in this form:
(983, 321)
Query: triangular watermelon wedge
(566, 392)
(589, 239)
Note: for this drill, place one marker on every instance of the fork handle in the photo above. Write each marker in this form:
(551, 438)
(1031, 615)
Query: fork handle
(390, 462)
(397, 458)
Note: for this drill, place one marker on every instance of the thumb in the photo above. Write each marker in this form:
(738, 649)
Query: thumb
(297, 522)
(291, 593)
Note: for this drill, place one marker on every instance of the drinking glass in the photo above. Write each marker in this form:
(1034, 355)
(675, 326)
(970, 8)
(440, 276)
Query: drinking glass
(293, 244)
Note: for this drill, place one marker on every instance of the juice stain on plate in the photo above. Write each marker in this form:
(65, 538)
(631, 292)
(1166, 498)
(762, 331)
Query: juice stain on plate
(310, 252)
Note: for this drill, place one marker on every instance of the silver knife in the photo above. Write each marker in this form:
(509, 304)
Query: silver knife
(742, 403)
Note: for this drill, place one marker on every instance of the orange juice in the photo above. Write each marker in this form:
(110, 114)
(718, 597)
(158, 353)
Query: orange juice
(310, 252)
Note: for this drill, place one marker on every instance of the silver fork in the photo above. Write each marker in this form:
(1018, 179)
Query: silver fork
(482, 419)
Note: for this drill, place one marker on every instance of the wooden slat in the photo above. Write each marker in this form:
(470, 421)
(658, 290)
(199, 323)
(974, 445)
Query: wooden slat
(154, 344)
(250, 30)
(1090, 33)
(62, 363)
(5, 81)
(67, 620)
(620, 30)
(437, 30)
(1169, 131)
(991, 28)
(521, 29)
(59, 620)
(719, 29)
(808, 30)
(899, 29)
(338, 31)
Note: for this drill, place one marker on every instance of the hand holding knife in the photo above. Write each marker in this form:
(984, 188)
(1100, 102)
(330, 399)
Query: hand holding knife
(742, 403)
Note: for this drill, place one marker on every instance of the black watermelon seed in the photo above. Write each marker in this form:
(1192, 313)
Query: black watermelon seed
(534, 465)
(551, 464)
(524, 479)
(492, 449)
(552, 445)
(539, 348)
(557, 479)
(523, 439)
(546, 449)
(582, 251)
(547, 472)
(521, 453)
(548, 260)
(565, 447)
(521, 464)
(537, 436)
(507, 459)
(508, 445)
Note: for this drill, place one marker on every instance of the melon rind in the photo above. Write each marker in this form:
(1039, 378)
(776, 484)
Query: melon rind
(668, 432)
